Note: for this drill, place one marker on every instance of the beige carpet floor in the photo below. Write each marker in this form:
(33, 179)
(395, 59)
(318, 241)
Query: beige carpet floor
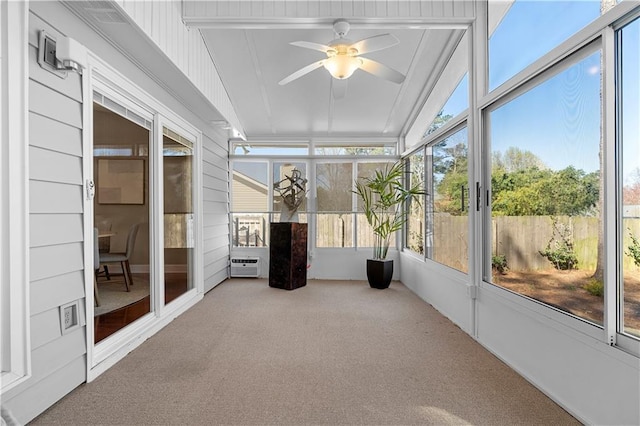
(333, 352)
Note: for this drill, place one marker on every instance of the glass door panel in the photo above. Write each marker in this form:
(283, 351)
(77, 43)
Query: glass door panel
(121, 218)
(178, 217)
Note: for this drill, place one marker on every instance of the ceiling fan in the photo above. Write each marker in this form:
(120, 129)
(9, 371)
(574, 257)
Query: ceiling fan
(343, 56)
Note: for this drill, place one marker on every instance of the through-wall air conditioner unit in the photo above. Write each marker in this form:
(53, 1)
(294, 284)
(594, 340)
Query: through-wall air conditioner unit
(245, 267)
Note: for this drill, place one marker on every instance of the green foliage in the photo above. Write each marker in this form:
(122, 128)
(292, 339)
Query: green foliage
(450, 169)
(559, 250)
(383, 196)
(633, 250)
(542, 192)
(595, 287)
(499, 262)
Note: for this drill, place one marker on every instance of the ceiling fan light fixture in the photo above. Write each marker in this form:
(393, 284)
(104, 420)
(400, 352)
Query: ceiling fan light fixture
(342, 66)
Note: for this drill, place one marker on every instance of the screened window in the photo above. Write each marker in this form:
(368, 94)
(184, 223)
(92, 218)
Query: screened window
(334, 226)
(545, 180)
(355, 150)
(448, 199)
(281, 172)
(257, 150)
(415, 226)
(250, 204)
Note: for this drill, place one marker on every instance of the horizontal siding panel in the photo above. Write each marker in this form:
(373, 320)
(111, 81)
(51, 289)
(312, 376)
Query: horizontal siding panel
(42, 395)
(70, 86)
(50, 261)
(67, 139)
(215, 195)
(211, 219)
(210, 169)
(50, 229)
(215, 231)
(56, 291)
(216, 242)
(213, 281)
(54, 166)
(50, 197)
(214, 183)
(211, 157)
(49, 103)
(217, 149)
(56, 354)
(215, 255)
(45, 328)
(215, 267)
(218, 173)
(214, 207)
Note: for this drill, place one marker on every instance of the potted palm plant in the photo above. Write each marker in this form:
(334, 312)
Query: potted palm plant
(383, 197)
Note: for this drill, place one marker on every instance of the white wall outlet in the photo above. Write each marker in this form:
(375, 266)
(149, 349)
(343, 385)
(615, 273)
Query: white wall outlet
(70, 317)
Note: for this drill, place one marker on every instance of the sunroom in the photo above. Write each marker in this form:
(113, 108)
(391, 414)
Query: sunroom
(164, 139)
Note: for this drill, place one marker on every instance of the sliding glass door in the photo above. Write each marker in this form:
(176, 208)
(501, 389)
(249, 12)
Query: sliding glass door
(178, 218)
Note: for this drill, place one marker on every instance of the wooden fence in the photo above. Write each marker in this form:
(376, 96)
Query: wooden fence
(519, 238)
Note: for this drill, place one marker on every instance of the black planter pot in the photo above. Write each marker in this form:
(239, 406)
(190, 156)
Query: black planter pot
(379, 273)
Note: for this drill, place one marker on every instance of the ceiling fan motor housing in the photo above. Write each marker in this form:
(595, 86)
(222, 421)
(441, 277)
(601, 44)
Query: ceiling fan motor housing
(341, 27)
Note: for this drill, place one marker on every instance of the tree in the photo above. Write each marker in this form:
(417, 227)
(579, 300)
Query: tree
(450, 166)
(438, 122)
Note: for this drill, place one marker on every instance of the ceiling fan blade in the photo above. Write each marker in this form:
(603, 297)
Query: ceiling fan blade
(372, 44)
(338, 88)
(377, 69)
(313, 46)
(301, 72)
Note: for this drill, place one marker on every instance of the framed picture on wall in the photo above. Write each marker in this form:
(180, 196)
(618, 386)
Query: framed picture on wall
(121, 181)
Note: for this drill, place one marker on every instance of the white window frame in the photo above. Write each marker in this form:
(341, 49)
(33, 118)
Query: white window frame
(14, 249)
(596, 35)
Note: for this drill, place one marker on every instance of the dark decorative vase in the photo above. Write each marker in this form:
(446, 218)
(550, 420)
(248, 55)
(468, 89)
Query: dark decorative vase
(379, 273)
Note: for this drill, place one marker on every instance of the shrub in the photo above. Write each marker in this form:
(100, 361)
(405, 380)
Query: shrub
(634, 249)
(595, 287)
(559, 250)
(499, 262)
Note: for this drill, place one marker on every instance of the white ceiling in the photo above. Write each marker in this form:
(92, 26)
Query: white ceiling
(252, 61)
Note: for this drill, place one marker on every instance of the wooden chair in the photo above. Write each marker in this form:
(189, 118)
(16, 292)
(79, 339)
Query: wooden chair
(123, 258)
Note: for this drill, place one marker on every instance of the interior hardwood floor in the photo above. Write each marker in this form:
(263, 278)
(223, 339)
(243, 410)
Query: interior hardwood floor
(107, 324)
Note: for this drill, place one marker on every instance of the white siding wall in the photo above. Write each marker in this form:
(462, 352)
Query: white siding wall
(56, 214)
(215, 166)
(56, 246)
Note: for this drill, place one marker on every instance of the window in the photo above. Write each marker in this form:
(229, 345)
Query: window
(415, 235)
(448, 199)
(249, 206)
(449, 96)
(629, 202)
(457, 103)
(529, 29)
(257, 149)
(365, 235)
(334, 226)
(355, 150)
(545, 180)
(281, 172)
